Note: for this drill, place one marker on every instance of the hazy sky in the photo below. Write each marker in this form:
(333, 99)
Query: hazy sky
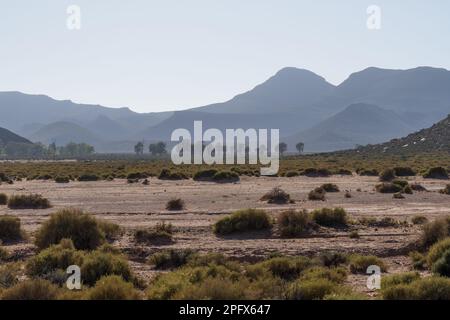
(164, 55)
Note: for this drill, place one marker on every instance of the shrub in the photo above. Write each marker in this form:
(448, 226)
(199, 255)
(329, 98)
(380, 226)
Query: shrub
(318, 194)
(388, 188)
(166, 174)
(277, 196)
(336, 217)
(398, 195)
(330, 187)
(291, 174)
(287, 268)
(336, 275)
(347, 195)
(137, 175)
(62, 179)
(31, 201)
(54, 258)
(446, 190)
(243, 220)
(36, 289)
(113, 288)
(170, 259)
(434, 231)
(111, 230)
(205, 175)
(88, 177)
(359, 264)
(387, 175)
(436, 173)
(10, 229)
(345, 172)
(419, 220)
(81, 228)
(396, 279)
(419, 261)
(3, 199)
(431, 288)
(404, 172)
(160, 234)
(417, 187)
(313, 172)
(9, 275)
(293, 223)
(4, 255)
(437, 251)
(315, 289)
(333, 259)
(354, 235)
(366, 172)
(98, 264)
(175, 205)
(401, 183)
(442, 265)
(225, 177)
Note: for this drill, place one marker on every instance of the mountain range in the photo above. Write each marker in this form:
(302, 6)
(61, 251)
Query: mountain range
(371, 106)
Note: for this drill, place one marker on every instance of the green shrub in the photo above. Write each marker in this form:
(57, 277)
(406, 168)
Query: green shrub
(398, 195)
(277, 196)
(434, 231)
(330, 187)
(137, 175)
(318, 194)
(9, 275)
(287, 268)
(160, 234)
(36, 289)
(404, 171)
(98, 264)
(62, 179)
(442, 265)
(419, 260)
(354, 235)
(418, 187)
(313, 172)
(225, 177)
(170, 259)
(54, 258)
(368, 173)
(31, 201)
(81, 228)
(10, 229)
(336, 275)
(243, 220)
(4, 255)
(315, 289)
(293, 223)
(344, 172)
(387, 175)
(437, 251)
(334, 218)
(436, 173)
(431, 288)
(291, 174)
(113, 288)
(359, 264)
(111, 230)
(166, 174)
(3, 199)
(205, 175)
(389, 188)
(88, 177)
(175, 205)
(333, 259)
(397, 279)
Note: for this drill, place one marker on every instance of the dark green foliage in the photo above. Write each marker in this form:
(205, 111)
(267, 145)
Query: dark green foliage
(277, 196)
(166, 174)
(389, 188)
(318, 194)
(330, 187)
(3, 199)
(335, 218)
(162, 233)
(175, 205)
(242, 221)
(387, 175)
(10, 229)
(436, 173)
(225, 177)
(293, 223)
(170, 259)
(62, 179)
(205, 175)
(404, 171)
(88, 177)
(113, 288)
(31, 201)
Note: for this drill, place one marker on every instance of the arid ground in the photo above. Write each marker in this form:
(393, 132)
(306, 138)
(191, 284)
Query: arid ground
(134, 206)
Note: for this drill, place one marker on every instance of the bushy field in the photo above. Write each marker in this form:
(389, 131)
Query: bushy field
(308, 165)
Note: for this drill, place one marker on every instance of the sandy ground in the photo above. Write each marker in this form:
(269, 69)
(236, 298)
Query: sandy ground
(136, 206)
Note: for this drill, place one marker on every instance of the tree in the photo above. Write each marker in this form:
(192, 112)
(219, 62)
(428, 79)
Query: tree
(157, 148)
(52, 149)
(300, 146)
(139, 148)
(282, 147)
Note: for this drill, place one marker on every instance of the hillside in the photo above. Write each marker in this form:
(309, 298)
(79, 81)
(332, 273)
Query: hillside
(7, 136)
(435, 138)
(357, 124)
(62, 133)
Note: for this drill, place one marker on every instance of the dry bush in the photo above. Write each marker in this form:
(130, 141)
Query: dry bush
(10, 229)
(3, 199)
(35, 289)
(335, 218)
(162, 233)
(293, 223)
(359, 264)
(277, 196)
(30, 201)
(436, 173)
(113, 288)
(330, 187)
(242, 221)
(318, 194)
(175, 205)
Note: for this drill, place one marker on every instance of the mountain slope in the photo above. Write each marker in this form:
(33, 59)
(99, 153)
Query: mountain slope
(63, 132)
(435, 138)
(7, 136)
(358, 124)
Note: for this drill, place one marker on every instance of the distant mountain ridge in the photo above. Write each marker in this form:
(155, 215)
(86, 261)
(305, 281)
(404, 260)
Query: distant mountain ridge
(7, 136)
(296, 101)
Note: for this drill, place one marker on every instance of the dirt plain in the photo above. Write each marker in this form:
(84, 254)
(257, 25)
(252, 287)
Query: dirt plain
(134, 206)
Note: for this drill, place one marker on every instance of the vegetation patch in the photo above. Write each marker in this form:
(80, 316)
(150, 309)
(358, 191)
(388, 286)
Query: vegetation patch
(161, 234)
(359, 263)
(436, 173)
(330, 187)
(10, 229)
(175, 205)
(318, 194)
(334, 218)
(242, 221)
(3, 199)
(277, 196)
(166, 174)
(30, 201)
(293, 223)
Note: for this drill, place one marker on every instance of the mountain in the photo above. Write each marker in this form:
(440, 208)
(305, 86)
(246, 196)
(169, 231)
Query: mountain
(288, 91)
(358, 124)
(63, 132)
(7, 137)
(435, 138)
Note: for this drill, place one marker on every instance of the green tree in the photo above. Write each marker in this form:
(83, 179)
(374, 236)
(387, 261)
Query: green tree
(157, 148)
(139, 148)
(282, 148)
(300, 147)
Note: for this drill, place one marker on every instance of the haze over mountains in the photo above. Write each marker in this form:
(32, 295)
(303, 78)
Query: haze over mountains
(371, 106)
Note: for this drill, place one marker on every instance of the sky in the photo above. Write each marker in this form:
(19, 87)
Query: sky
(160, 55)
